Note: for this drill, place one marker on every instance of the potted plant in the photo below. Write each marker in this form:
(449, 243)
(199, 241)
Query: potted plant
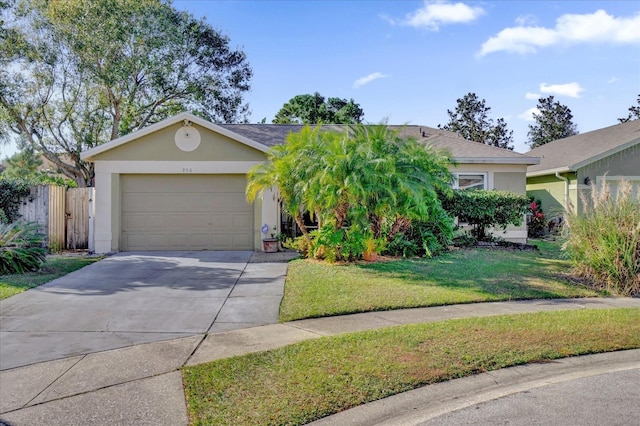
(270, 245)
(372, 247)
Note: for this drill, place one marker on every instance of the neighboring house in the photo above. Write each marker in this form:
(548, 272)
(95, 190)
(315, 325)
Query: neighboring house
(569, 166)
(180, 184)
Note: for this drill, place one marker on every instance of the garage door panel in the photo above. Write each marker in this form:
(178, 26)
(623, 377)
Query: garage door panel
(187, 183)
(139, 202)
(143, 221)
(178, 222)
(190, 202)
(242, 221)
(242, 240)
(238, 200)
(134, 240)
(224, 241)
(193, 212)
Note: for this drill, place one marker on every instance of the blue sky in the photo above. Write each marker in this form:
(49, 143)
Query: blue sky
(408, 61)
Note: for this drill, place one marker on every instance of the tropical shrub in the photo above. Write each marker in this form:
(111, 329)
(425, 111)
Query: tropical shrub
(366, 178)
(604, 241)
(427, 237)
(11, 190)
(537, 220)
(21, 248)
(486, 209)
(344, 244)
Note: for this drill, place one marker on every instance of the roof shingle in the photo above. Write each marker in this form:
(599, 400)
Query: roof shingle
(585, 148)
(461, 150)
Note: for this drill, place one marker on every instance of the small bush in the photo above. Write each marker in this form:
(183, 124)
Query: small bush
(21, 248)
(486, 209)
(465, 240)
(604, 241)
(537, 221)
(11, 190)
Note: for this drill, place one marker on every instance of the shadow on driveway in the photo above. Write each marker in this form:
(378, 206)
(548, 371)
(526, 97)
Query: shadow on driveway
(138, 297)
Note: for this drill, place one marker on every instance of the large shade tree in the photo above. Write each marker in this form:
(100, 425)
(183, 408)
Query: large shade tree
(24, 164)
(360, 177)
(552, 121)
(471, 120)
(76, 74)
(315, 109)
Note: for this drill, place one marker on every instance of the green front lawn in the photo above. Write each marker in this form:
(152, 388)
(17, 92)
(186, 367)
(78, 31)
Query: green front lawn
(299, 383)
(317, 289)
(55, 267)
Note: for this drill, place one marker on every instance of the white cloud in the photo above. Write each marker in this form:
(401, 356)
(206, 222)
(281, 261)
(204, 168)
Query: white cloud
(432, 15)
(524, 20)
(532, 96)
(528, 114)
(368, 79)
(597, 27)
(613, 80)
(570, 89)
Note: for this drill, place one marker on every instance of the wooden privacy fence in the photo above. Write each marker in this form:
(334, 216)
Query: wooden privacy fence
(62, 213)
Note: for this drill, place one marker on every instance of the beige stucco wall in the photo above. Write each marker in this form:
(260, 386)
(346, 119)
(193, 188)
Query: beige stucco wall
(502, 177)
(157, 153)
(161, 146)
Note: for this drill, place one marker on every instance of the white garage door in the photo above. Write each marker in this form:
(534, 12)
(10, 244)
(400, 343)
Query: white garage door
(185, 212)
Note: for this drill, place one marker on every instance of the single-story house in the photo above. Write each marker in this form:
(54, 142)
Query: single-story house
(569, 166)
(180, 184)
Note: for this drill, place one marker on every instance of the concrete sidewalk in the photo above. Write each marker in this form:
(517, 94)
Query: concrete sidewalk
(142, 384)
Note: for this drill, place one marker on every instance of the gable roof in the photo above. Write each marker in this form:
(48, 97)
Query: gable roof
(461, 150)
(90, 153)
(264, 136)
(574, 152)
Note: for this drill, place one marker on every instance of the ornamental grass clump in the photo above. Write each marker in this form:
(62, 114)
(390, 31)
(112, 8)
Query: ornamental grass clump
(21, 248)
(604, 241)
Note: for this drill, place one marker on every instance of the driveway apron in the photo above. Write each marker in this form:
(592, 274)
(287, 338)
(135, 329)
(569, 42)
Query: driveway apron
(138, 297)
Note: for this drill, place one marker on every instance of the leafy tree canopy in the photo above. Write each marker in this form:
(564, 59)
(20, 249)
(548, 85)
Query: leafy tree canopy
(470, 120)
(552, 122)
(315, 109)
(24, 164)
(76, 74)
(634, 112)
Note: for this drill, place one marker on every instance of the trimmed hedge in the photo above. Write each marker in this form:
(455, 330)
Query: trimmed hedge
(487, 209)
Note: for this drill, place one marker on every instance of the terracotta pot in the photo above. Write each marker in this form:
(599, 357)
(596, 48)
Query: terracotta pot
(370, 256)
(270, 245)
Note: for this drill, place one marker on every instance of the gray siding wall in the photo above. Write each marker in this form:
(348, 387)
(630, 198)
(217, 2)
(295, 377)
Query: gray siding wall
(624, 163)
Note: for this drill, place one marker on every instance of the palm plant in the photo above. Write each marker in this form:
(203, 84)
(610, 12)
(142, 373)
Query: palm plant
(21, 248)
(287, 170)
(361, 177)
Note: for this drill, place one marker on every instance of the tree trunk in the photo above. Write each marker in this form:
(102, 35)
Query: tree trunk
(376, 225)
(400, 224)
(303, 228)
(341, 214)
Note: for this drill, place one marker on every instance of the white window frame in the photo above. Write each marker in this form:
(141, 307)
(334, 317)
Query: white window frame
(457, 175)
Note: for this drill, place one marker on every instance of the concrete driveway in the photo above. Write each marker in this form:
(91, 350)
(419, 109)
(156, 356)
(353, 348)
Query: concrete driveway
(133, 298)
